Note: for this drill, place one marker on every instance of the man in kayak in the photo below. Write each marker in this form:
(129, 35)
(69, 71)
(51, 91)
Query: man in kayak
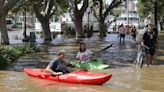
(84, 54)
(57, 66)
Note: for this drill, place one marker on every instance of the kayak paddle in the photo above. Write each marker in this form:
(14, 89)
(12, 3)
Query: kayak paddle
(105, 48)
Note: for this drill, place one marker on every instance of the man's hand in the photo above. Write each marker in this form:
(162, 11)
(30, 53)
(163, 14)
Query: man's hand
(56, 73)
(79, 61)
(157, 52)
(59, 73)
(142, 43)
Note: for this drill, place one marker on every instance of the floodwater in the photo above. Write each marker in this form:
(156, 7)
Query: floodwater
(130, 79)
(126, 77)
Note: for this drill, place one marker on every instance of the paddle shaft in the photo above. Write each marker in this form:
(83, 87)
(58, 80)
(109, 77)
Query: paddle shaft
(104, 48)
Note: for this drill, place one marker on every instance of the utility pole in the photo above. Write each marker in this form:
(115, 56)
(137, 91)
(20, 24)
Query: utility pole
(24, 25)
(155, 13)
(127, 6)
(88, 20)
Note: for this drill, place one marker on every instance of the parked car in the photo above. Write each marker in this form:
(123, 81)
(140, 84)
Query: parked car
(9, 23)
(19, 25)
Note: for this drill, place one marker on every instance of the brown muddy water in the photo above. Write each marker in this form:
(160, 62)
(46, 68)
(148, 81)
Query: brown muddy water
(129, 79)
(126, 77)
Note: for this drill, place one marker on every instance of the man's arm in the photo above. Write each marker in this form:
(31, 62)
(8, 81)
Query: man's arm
(142, 42)
(49, 68)
(143, 39)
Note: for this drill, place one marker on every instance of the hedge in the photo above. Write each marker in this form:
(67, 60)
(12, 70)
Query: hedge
(9, 54)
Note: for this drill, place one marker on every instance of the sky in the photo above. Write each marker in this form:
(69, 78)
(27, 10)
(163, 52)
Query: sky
(108, 1)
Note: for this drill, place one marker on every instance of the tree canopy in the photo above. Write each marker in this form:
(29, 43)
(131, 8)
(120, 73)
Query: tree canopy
(102, 11)
(146, 7)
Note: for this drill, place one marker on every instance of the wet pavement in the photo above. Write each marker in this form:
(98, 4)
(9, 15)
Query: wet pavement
(120, 57)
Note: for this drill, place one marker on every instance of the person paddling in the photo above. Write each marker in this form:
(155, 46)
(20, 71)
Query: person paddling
(58, 66)
(84, 54)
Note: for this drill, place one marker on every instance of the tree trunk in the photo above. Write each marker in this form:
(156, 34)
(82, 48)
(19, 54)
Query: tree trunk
(46, 30)
(103, 29)
(79, 27)
(32, 20)
(4, 8)
(155, 14)
(3, 29)
(25, 39)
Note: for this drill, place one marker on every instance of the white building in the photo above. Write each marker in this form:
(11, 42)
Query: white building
(129, 14)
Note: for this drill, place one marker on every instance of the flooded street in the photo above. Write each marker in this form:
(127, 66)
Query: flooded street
(120, 57)
(129, 79)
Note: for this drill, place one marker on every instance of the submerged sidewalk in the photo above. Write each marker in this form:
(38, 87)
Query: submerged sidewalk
(119, 55)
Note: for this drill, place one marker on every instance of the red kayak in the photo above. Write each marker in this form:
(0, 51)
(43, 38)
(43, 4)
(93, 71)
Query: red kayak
(78, 77)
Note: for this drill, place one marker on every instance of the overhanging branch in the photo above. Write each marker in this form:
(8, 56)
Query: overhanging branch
(115, 3)
(37, 12)
(10, 4)
(85, 6)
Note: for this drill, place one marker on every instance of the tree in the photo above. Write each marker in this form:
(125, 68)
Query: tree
(78, 15)
(23, 6)
(5, 6)
(101, 12)
(44, 10)
(151, 7)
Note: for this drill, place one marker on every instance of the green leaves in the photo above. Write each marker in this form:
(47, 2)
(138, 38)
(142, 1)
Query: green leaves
(22, 5)
(10, 54)
(146, 7)
(61, 6)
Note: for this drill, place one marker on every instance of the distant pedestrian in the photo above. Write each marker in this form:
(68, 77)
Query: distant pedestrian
(114, 28)
(150, 41)
(134, 33)
(85, 29)
(122, 32)
(90, 32)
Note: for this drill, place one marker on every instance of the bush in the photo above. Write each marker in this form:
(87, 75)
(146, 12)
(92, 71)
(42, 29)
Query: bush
(10, 54)
(69, 32)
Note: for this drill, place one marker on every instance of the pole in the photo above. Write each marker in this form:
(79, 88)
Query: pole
(24, 26)
(88, 20)
(155, 14)
(128, 12)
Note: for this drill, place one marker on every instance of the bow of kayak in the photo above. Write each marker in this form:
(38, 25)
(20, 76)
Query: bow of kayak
(92, 64)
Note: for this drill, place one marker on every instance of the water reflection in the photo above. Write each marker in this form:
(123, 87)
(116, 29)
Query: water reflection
(64, 87)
